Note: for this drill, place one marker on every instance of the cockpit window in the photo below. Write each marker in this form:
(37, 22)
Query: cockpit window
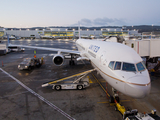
(140, 66)
(117, 66)
(111, 64)
(128, 67)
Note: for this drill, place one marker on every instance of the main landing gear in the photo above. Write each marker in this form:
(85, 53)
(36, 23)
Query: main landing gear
(71, 62)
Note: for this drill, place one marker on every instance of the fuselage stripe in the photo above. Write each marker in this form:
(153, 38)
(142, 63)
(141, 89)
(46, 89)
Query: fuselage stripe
(121, 80)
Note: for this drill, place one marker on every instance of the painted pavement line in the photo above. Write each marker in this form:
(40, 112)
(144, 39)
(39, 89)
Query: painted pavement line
(40, 97)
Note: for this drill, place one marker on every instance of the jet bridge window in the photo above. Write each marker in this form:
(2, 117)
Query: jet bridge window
(117, 66)
(128, 67)
(140, 66)
(111, 64)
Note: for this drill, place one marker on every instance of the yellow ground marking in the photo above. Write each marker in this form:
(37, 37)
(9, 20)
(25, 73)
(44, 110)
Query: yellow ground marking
(102, 80)
(90, 81)
(101, 85)
(118, 105)
(114, 103)
(108, 94)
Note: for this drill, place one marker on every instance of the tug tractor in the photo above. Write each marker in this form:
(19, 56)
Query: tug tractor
(29, 63)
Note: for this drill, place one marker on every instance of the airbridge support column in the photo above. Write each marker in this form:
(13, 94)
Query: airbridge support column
(153, 65)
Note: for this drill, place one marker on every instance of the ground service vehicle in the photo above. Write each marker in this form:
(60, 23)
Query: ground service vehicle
(81, 81)
(81, 84)
(29, 63)
(3, 49)
(15, 48)
(141, 116)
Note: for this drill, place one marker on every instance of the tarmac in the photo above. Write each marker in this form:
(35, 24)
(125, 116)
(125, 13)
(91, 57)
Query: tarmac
(23, 98)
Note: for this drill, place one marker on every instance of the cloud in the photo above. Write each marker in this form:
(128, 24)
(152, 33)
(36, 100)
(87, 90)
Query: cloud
(102, 22)
(86, 22)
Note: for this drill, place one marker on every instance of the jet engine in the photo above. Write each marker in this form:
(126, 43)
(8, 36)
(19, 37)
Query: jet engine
(58, 59)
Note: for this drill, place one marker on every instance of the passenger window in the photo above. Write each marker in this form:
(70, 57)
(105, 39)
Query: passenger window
(117, 66)
(111, 64)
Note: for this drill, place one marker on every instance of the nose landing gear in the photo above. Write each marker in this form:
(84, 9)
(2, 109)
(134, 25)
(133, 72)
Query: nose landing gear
(112, 94)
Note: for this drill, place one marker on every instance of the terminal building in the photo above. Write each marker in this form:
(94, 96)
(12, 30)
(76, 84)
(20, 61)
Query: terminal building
(69, 33)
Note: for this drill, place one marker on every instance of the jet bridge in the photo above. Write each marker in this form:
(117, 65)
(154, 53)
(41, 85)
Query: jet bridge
(146, 47)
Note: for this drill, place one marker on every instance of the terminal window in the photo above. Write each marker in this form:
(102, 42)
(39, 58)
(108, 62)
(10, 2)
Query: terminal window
(47, 33)
(1, 34)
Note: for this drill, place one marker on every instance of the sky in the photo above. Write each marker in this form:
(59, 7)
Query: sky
(45, 13)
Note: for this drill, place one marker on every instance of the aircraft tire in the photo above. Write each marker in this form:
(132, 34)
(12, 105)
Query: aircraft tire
(79, 87)
(71, 62)
(57, 87)
(39, 65)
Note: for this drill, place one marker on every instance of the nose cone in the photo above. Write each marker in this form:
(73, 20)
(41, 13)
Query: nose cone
(138, 87)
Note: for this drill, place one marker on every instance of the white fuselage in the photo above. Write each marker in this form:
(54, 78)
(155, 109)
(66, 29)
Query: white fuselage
(135, 83)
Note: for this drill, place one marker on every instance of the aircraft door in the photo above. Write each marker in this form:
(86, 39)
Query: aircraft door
(103, 60)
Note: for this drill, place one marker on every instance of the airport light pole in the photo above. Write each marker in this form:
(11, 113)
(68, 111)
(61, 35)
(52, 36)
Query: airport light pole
(108, 31)
(66, 33)
(152, 31)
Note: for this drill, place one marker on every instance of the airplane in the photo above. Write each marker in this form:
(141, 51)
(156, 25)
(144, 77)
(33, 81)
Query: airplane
(46, 37)
(120, 66)
(11, 37)
(85, 36)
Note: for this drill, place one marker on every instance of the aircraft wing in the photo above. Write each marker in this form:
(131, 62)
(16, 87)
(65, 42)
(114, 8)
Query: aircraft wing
(50, 49)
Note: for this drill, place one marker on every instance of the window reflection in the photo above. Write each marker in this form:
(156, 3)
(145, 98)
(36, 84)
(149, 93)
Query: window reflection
(117, 66)
(111, 64)
(128, 67)
(140, 66)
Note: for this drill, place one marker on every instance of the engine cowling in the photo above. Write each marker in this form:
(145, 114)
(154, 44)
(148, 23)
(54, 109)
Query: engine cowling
(58, 59)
